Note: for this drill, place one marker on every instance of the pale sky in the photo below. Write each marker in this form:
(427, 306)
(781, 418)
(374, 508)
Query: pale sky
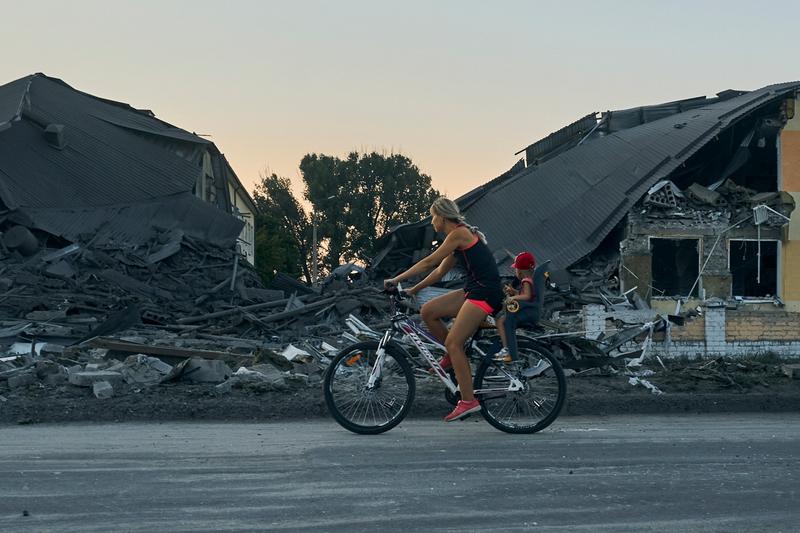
(457, 86)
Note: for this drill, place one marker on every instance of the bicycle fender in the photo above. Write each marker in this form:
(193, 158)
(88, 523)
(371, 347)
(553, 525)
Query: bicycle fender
(398, 349)
(538, 343)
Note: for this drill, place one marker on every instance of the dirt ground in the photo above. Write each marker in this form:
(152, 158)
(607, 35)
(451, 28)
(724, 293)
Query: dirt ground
(740, 385)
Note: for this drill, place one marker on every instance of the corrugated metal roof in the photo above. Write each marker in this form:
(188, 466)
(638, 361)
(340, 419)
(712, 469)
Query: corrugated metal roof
(562, 208)
(102, 162)
(11, 96)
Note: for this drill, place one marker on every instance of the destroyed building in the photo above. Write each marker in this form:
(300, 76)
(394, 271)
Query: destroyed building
(685, 205)
(73, 165)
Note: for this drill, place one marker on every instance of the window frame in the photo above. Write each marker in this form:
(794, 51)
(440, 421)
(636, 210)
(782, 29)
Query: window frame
(699, 288)
(778, 268)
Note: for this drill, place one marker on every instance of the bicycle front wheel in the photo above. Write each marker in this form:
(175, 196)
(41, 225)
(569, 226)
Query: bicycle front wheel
(354, 404)
(525, 396)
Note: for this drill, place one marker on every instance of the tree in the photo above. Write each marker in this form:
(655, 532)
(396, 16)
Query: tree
(282, 237)
(276, 250)
(356, 200)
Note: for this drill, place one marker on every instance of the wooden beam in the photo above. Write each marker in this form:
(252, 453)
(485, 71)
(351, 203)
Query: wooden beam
(133, 347)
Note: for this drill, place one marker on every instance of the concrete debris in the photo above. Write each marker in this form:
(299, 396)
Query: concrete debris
(102, 390)
(265, 374)
(664, 193)
(22, 380)
(791, 370)
(295, 354)
(141, 369)
(99, 313)
(196, 370)
(89, 378)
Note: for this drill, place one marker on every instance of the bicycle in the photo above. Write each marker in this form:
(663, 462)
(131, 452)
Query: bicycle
(369, 386)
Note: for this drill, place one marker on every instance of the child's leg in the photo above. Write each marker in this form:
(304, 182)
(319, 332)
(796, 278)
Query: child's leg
(510, 333)
(527, 315)
(501, 329)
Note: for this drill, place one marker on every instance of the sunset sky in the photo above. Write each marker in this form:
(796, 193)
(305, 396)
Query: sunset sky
(457, 86)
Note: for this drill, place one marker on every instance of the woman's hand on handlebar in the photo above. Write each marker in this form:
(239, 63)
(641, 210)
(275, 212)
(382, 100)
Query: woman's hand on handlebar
(390, 284)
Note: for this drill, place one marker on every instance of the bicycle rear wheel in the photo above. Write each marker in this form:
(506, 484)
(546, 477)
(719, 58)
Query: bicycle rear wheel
(541, 385)
(363, 409)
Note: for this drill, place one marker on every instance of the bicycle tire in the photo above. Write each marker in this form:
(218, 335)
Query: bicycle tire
(362, 411)
(534, 407)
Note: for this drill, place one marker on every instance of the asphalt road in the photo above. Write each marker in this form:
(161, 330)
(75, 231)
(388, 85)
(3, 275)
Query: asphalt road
(640, 473)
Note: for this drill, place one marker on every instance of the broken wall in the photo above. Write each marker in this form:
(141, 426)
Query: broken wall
(721, 331)
(789, 177)
(218, 185)
(696, 226)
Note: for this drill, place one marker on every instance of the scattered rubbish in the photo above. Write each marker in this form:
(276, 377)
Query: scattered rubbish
(643, 382)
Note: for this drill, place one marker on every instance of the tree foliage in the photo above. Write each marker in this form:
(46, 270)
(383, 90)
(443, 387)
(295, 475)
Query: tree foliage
(282, 230)
(357, 199)
(354, 200)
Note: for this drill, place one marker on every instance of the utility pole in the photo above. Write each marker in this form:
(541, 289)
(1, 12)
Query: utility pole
(314, 252)
(314, 270)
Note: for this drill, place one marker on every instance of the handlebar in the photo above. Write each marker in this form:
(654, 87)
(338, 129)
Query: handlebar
(397, 291)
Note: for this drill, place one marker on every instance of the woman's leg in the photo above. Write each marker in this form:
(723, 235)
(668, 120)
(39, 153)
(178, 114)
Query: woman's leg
(467, 321)
(444, 306)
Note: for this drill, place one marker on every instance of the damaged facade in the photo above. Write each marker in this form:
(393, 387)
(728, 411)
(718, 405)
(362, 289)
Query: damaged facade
(677, 208)
(74, 165)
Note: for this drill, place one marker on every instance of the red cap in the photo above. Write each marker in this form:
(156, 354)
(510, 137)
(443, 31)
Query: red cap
(524, 261)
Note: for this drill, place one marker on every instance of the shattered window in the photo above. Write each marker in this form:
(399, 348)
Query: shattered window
(745, 272)
(675, 265)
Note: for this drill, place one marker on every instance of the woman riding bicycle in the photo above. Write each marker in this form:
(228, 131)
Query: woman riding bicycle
(482, 294)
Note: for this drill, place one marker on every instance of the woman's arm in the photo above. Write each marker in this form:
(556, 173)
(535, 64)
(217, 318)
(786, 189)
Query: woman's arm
(437, 274)
(453, 240)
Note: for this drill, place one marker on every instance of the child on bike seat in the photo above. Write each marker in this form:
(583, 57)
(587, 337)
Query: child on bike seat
(521, 290)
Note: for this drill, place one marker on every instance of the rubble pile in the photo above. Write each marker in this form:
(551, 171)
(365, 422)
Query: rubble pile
(724, 200)
(592, 280)
(734, 374)
(167, 278)
(113, 317)
(740, 375)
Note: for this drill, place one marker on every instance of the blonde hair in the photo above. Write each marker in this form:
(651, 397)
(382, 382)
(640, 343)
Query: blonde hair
(448, 209)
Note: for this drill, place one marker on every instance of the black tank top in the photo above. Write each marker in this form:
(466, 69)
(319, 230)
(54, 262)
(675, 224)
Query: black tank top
(483, 278)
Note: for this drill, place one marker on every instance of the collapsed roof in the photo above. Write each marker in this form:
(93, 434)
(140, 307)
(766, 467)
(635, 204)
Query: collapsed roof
(572, 200)
(72, 163)
(581, 181)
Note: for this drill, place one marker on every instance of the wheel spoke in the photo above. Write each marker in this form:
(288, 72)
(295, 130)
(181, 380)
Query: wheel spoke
(534, 406)
(358, 407)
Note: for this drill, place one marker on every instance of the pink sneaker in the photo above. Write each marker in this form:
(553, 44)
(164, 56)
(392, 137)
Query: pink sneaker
(463, 409)
(444, 362)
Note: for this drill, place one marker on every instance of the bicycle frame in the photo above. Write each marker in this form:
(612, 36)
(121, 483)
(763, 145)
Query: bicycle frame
(402, 324)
